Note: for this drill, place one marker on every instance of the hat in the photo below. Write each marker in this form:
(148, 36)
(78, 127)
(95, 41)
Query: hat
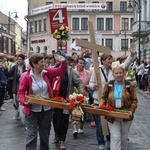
(59, 52)
(115, 64)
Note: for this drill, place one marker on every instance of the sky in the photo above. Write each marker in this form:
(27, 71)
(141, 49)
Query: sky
(19, 6)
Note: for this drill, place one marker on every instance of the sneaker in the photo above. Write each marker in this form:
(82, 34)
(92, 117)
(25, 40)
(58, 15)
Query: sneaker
(56, 140)
(62, 145)
(101, 147)
(93, 124)
(17, 114)
(2, 109)
(80, 131)
(75, 133)
(108, 144)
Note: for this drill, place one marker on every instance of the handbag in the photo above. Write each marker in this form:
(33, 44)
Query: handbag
(76, 115)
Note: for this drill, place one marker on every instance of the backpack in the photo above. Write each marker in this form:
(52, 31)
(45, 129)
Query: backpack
(56, 85)
(127, 84)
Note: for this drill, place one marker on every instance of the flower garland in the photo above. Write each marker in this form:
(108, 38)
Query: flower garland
(62, 34)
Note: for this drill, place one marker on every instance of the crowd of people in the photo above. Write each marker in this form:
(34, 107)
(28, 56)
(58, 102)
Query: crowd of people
(35, 74)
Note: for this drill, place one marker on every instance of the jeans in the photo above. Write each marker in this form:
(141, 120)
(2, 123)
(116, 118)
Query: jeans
(99, 133)
(2, 95)
(38, 121)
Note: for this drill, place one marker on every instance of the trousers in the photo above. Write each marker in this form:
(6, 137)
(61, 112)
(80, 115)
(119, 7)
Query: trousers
(119, 134)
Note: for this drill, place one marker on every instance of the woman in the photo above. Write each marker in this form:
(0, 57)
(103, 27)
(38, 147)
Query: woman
(106, 75)
(37, 82)
(85, 77)
(16, 72)
(119, 98)
(69, 80)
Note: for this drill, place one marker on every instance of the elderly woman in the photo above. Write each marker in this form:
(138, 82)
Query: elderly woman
(37, 82)
(119, 98)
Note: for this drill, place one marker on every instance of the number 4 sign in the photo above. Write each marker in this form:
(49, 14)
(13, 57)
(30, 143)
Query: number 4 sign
(58, 17)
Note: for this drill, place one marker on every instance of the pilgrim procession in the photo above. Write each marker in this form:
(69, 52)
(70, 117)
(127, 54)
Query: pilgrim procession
(85, 98)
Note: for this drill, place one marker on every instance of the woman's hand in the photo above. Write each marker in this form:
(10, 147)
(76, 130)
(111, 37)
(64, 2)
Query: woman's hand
(28, 103)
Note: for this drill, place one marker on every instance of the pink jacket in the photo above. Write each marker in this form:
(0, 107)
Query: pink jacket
(26, 83)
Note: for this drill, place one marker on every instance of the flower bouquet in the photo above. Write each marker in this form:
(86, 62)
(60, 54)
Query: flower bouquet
(76, 105)
(62, 35)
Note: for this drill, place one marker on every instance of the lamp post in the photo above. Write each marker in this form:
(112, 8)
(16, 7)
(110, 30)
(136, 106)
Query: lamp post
(9, 19)
(130, 8)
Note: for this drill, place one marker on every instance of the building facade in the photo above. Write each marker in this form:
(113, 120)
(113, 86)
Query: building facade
(141, 16)
(10, 36)
(114, 24)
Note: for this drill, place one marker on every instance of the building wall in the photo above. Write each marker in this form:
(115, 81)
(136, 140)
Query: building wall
(116, 34)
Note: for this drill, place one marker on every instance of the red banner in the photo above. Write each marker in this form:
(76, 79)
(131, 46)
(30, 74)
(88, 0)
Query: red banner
(58, 17)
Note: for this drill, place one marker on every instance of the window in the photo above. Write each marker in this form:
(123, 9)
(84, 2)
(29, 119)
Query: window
(37, 49)
(75, 24)
(45, 50)
(123, 6)
(84, 25)
(31, 27)
(109, 24)
(124, 44)
(131, 22)
(5, 44)
(100, 23)
(102, 42)
(109, 6)
(35, 25)
(81, 2)
(40, 26)
(109, 43)
(95, 3)
(45, 23)
(63, 2)
(125, 24)
(47, 3)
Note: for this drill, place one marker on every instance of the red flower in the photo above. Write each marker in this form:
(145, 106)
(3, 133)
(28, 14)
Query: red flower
(80, 98)
(103, 106)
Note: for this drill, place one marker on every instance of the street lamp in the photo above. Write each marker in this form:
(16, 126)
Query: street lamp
(130, 8)
(9, 19)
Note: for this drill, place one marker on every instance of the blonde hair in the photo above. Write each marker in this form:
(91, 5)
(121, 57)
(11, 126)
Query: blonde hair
(118, 67)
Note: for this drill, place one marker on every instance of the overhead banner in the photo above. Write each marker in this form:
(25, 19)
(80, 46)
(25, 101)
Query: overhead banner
(58, 18)
(70, 7)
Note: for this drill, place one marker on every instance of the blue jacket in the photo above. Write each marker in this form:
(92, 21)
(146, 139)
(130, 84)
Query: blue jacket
(3, 79)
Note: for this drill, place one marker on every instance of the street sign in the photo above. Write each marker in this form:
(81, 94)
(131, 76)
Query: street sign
(58, 18)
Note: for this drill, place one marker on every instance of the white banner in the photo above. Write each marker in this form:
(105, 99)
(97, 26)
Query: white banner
(70, 6)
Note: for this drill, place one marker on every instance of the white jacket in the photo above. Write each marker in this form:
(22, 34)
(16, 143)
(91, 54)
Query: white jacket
(92, 82)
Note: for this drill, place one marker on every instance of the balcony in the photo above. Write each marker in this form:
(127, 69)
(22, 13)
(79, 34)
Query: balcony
(144, 28)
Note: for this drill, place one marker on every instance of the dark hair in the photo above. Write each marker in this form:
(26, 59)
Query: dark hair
(11, 58)
(22, 56)
(35, 58)
(80, 59)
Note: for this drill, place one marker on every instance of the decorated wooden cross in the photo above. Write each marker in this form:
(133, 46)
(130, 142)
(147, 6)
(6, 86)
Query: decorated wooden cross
(95, 48)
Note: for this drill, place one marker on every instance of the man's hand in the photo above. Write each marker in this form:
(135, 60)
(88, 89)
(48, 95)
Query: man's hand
(96, 87)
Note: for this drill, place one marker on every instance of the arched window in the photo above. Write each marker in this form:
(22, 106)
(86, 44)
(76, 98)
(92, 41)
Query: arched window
(31, 48)
(45, 50)
(37, 49)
